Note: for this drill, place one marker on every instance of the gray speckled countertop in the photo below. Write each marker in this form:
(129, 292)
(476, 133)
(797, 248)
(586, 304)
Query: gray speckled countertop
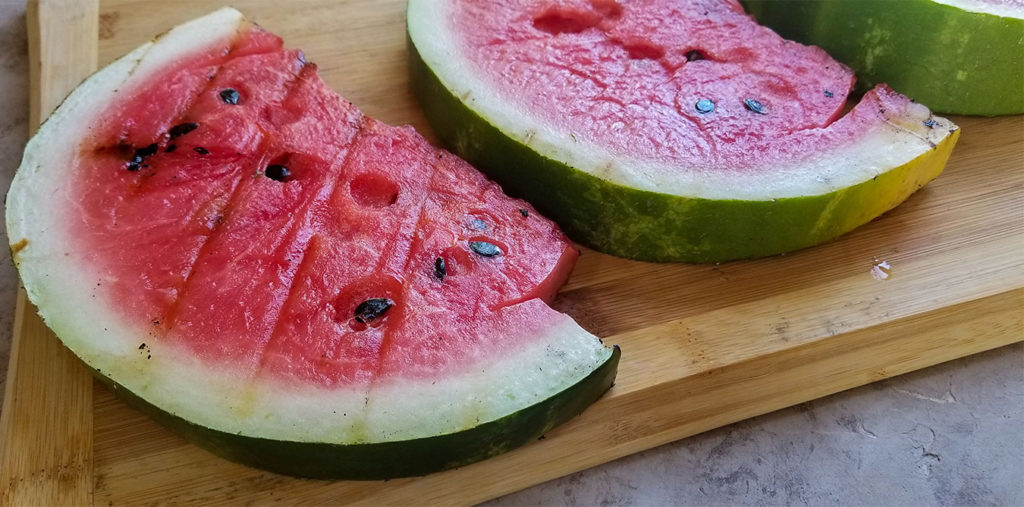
(952, 434)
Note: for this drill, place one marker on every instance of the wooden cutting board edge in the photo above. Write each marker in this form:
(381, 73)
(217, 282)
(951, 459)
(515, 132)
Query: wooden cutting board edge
(46, 448)
(46, 427)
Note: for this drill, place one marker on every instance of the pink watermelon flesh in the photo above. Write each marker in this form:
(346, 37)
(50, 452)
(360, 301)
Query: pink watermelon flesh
(631, 76)
(264, 276)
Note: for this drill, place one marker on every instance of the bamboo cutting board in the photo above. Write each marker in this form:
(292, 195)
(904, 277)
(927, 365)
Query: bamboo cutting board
(703, 345)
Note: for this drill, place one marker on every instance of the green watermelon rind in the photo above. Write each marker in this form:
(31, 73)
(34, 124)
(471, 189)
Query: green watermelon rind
(949, 58)
(287, 426)
(385, 460)
(646, 225)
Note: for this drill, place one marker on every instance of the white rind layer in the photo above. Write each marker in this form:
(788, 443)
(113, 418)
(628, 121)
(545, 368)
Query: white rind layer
(885, 146)
(61, 283)
(476, 392)
(1006, 8)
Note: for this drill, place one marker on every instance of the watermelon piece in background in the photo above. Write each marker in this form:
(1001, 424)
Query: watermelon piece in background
(955, 56)
(242, 254)
(667, 131)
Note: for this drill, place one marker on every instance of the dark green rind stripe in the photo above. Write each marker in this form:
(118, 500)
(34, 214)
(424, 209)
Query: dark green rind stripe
(652, 226)
(389, 459)
(951, 60)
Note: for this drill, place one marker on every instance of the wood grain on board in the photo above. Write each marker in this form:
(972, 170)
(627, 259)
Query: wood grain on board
(703, 345)
(46, 427)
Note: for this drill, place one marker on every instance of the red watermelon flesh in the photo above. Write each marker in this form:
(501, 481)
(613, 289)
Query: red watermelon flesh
(629, 77)
(264, 276)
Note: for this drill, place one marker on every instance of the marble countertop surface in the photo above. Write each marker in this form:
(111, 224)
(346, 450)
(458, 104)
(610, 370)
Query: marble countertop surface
(952, 434)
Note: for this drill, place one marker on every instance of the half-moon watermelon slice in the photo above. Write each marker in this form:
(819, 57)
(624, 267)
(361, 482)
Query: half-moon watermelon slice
(294, 285)
(665, 130)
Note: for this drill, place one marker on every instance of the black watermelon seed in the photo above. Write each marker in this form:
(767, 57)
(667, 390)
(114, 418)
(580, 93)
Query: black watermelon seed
(140, 154)
(372, 309)
(277, 172)
(229, 96)
(693, 55)
(170, 148)
(525, 212)
(704, 106)
(182, 129)
(754, 106)
(484, 248)
(829, 94)
(440, 270)
(200, 150)
(146, 152)
(478, 224)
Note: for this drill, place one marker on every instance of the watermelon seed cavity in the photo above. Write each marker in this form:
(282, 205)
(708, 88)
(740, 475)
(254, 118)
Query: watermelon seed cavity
(372, 309)
(200, 150)
(694, 55)
(641, 50)
(229, 96)
(562, 20)
(704, 106)
(140, 154)
(277, 172)
(373, 191)
(440, 271)
(754, 106)
(484, 248)
(182, 129)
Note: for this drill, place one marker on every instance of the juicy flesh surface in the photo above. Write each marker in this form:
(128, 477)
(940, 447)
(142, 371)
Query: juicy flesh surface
(264, 276)
(629, 76)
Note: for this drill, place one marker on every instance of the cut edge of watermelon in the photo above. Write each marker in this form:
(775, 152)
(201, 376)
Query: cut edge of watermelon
(886, 145)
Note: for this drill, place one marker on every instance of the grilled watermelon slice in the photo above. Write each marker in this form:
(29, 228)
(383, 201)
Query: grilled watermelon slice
(667, 131)
(242, 254)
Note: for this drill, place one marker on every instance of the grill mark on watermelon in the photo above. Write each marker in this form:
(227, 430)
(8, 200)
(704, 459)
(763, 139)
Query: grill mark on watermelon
(255, 41)
(398, 264)
(142, 183)
(317, 180)
(394, 255)
(180, 124)
(269, 360)
(429, 308)
(225, 211)
(170, 313)
(409, 267)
